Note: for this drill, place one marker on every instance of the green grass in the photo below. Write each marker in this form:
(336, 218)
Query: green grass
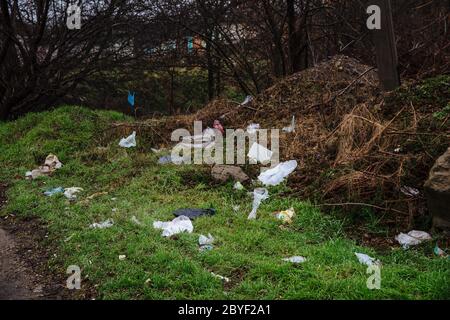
(248, 252)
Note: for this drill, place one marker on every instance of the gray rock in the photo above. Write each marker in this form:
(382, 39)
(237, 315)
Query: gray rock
(437, 189)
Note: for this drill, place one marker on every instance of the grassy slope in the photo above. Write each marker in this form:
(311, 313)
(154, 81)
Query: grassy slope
(248, 252)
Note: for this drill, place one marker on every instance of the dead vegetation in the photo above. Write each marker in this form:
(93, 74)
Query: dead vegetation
(355, 146)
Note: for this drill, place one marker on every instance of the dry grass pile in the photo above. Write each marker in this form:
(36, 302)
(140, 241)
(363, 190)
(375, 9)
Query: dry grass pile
(353, 143)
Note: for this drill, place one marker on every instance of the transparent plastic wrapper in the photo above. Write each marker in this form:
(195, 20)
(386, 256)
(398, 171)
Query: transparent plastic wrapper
(291, 128)
(204, 240)
(259, 195)
(54, 191)
(295, 259)
(247, 100)
(276, 175)
(128, 142)
(286, 215)
(177, 225)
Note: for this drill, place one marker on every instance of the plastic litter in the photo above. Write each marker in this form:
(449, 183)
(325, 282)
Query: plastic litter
(412, 238)
(70, 193)
(291, 128)
(259, 195)
(122, 257)
(131, 98)
(128, 142)
(286, 215)
(54, 191)
(102, 225)
(194, 213)
(177, 225)
(409, 191)
(276, 175)
(50, 165)
(220, 277)
(204, 240)
(365, 259)
(252, 128)
(439, 252)
(259, 153)
(295, 259)
(238, 186)
(236, 208)
(247, 100)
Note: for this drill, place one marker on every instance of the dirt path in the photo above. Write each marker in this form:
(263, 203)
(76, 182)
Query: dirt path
(24, 272)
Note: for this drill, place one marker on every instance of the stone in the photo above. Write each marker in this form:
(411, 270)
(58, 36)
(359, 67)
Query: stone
(437, 190)
(223, 172)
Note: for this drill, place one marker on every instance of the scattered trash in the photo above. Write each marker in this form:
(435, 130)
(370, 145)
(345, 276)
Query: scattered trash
(203, 240)
(365, 259)
(131, 99)
(224, 172)
(206, 243)
(398, 150)
(439, 252)
(412, 238)
(259, 153)
(238, 186)
(102, 225)
(220, 277)
(54, 191)
(409, 191)
(136, 221)
(285, 216)
(50, 165)
(276, 175)
(259, 195)
(247, 100)
(295, 259)
(177, 225)
(70, 193)
(194, 213)
(128, 142)
(291, 128)
(252, 128)
(201, 141)
(122, 257)
(217, 125)
(236, 208)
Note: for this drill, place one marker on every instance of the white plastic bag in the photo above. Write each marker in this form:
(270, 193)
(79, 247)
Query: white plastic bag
(412, 238)
(365, 259)
(259, 153)
(253, 128)
(206, 240)
(247, 100)
(259, 195)
(177, 225)
(128, 142)
(274, 176)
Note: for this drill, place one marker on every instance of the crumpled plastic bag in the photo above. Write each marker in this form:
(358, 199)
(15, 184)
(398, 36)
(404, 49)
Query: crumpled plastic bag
(238, 186)
(365, 259)
(259, 195)
(54, 191)
(295, 259)
(204, 240)
(102, 225)
(286, 215)
(291, 128)
(50, 165)
(220, 277)
(177, 225)
(412, 238)
(70, 193)
(276, 175)
(259, 153)
(128, 142)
